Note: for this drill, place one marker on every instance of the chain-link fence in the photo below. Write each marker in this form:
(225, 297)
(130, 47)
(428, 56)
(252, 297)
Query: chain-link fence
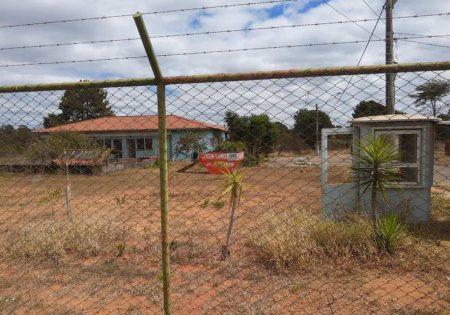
(289, 231)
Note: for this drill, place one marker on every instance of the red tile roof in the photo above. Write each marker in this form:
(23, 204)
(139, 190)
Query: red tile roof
(131, 123)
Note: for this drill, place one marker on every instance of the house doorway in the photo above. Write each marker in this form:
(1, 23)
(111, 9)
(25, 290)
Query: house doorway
(131, 146)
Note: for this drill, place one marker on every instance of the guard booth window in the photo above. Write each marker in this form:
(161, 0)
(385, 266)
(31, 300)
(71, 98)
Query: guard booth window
(408, 144)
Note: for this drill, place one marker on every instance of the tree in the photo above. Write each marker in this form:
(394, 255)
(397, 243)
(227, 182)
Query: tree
(256, 131)
(369, 108)
(433, 92)
(189, 143)
(14, 141)
(80, 104)
(305, 124)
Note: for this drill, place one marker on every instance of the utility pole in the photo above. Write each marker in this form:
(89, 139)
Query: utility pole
(390, 84)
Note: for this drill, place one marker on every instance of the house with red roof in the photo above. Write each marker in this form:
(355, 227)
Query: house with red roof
(137, 136)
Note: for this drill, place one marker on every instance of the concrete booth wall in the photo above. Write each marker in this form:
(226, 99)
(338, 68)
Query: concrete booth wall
(412, 196)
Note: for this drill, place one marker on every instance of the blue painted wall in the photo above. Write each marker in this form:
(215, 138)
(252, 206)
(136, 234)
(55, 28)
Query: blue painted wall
(210, 139)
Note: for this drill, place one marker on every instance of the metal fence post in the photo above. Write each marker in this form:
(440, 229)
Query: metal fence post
(163, 169)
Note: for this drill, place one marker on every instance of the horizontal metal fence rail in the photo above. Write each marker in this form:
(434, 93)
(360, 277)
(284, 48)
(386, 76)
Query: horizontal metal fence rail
(224, 77)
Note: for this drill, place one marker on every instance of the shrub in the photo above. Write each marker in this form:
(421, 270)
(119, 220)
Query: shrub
(218, 204)
(85, 236)
(296, 239)
(230, 146)
(387, 233)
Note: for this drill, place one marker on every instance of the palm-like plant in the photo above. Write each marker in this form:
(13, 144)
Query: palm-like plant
(375, 168)
(387, 233)
(233, 186)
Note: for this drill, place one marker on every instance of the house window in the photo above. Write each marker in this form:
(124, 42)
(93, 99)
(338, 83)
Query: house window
(408, 144)
(117, 147)
(144, 144)
(108, 143)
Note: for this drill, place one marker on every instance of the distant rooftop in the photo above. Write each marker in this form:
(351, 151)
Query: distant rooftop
(131, 123)
(396, 117)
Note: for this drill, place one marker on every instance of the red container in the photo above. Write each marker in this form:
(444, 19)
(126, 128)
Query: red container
(219, 162)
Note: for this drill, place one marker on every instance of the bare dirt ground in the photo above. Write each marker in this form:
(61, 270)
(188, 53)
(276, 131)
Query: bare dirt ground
(131, 283)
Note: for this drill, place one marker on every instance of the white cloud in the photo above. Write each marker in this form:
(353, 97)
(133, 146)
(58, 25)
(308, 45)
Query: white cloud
(28, 11)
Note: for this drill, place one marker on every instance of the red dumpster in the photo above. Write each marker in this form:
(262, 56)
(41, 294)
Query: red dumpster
(219, 162)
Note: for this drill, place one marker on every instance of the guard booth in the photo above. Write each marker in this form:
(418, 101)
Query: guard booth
(414, 137)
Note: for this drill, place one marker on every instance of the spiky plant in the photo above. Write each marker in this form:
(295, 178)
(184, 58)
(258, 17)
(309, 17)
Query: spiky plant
(375, 168)
(233, 187)
(387, 232)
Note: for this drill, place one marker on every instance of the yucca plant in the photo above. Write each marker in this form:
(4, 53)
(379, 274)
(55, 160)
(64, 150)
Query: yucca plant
(375, 168)
(387, 232)
(233, 187)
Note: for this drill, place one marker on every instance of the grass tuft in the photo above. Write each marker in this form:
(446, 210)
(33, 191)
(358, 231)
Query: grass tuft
(297, 239)
(84, 237)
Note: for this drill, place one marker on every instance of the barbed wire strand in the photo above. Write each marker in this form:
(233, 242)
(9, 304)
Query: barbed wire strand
(213, 32)
(422, 43)
(224, 6)
(213, 51)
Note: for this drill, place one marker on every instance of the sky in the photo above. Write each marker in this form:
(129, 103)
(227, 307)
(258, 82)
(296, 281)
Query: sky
(210, 20)
(263, 15)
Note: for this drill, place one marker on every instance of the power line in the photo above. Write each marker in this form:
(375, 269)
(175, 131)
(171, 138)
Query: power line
(362, 55)
(216, 32)
(428, 44)
(371, 35)
(354, 22)
(224, 6)
(211, 52)
(410, 34)
(371, 9)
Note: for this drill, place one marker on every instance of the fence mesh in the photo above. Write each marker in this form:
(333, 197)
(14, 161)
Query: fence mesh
(80, 213)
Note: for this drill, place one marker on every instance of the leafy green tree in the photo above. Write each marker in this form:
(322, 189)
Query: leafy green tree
(305, 124)
(369, 108)
(80, 104)
(432, 93)
(14, 141)
(230, 146)
(256, 131)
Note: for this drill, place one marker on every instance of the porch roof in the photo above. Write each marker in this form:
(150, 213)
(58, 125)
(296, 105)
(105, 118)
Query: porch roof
(131, 123)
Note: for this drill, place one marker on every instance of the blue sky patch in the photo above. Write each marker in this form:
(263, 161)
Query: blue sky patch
(311, 5)
(196, 21)
(275, 11)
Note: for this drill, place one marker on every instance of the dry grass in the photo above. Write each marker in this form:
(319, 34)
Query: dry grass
(440, 206)
(83, 237)
(296, 238)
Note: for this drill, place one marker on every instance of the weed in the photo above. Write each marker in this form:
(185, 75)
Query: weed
(297, 287)
(120, 246)
(205, 203)
(218, 204)
(119, 200)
